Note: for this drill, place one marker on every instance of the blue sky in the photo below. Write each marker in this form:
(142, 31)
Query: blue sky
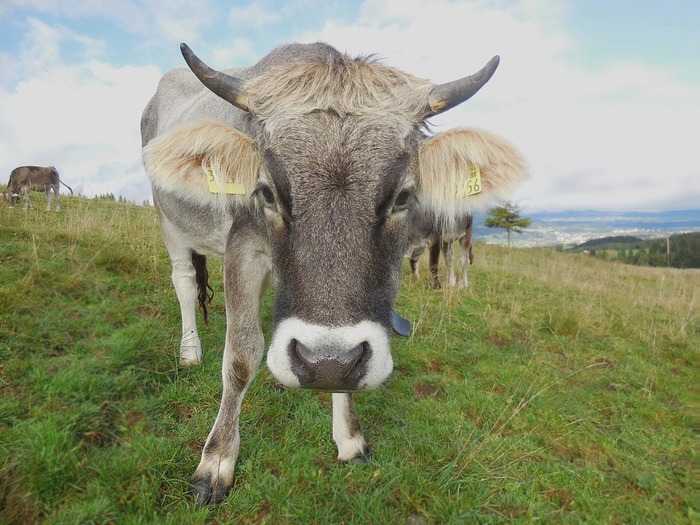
(602, 97)
(657, 33)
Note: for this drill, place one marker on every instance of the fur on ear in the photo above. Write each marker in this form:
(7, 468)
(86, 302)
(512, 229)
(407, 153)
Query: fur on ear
(445, 162)
(178, 161)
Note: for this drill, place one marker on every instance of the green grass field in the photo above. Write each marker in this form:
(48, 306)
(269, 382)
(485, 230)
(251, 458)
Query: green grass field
(558, 389)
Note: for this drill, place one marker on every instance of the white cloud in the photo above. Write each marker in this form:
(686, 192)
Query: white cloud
(253, 14)
(240, 51)
(41, 49)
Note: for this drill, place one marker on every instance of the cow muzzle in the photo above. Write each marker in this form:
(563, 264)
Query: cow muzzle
(337, 359)
(329, 370)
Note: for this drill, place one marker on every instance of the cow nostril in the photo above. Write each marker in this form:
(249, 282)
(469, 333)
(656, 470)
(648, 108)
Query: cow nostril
(325, 366)
(355, 355)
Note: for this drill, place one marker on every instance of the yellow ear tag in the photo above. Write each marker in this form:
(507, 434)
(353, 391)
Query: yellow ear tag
(231, 187)
(473, 185)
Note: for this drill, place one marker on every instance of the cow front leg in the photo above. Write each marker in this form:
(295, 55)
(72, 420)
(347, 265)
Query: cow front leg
(347, 435)
(245, 278)
(27, 200)
(213, 478)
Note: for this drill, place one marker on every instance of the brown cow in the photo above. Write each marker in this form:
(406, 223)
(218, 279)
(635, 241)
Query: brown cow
(38, 178)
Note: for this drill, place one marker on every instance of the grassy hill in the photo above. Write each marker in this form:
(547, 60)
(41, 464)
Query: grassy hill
(558, 388)
(681, 250)
(609, 243)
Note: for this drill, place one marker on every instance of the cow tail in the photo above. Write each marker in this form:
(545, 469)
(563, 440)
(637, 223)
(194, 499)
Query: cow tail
(66, 185)
(468, 237)
(204, 291)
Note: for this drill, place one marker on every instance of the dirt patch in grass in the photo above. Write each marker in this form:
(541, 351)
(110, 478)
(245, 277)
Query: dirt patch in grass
(504, 511)
(103, 429)
(434, 367)
(148, 311)
(57, 350)
(498, 340)
(426, 390)
(262, 512)
(578, 455)
(559, 497)
(195, 445)
(14, 507)
(183, 412)
(135, 418)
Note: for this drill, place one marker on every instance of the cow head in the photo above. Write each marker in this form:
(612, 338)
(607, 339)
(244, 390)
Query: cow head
(11, 196)
(338, 161)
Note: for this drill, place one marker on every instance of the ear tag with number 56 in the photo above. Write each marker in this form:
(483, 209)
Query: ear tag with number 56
(473, 184)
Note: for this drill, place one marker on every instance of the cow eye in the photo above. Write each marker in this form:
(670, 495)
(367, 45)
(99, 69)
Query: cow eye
(402, 200)
(266, 193)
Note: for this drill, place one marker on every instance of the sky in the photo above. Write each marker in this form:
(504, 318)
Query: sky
(602, 97)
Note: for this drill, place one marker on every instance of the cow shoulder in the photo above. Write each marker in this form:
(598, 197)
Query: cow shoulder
(181, 160)
(446, 161)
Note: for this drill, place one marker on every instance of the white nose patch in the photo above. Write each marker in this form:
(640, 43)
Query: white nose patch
(326, 340)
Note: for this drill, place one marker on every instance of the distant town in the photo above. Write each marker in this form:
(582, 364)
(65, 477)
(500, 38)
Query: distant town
(571, 228)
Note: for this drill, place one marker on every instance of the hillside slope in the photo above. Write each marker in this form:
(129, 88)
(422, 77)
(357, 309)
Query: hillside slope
(680, 250)
(558, 388)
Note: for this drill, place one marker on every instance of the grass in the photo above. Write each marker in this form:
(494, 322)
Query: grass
(558, 388)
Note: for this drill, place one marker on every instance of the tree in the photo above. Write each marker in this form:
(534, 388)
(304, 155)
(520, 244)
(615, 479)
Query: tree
(508, 218)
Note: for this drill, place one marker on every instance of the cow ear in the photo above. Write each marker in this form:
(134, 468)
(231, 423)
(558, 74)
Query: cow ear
(465, 170)
(207, 160)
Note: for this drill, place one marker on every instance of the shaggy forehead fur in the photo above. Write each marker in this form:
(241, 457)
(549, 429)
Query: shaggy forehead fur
(333, 160)
(337, 83)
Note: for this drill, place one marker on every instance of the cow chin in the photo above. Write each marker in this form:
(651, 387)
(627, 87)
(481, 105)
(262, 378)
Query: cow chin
(332, 358)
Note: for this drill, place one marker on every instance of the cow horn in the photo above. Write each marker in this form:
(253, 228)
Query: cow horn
(226, 86)
(448, 95)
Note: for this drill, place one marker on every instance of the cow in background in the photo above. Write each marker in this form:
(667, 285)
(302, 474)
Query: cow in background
(38, 178)
(428, 231)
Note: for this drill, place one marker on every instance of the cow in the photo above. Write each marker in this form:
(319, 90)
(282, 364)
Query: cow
(25, 179)
(303, 171)
(428, 231)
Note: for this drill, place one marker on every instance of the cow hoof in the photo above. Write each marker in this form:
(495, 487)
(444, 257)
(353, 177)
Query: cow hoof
(184, 362)
(364, 458)
(207, 493)
(190, 355)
